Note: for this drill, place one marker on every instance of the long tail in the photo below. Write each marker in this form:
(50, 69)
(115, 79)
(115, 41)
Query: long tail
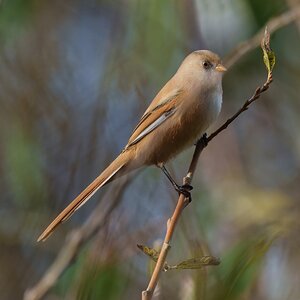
(120, 166)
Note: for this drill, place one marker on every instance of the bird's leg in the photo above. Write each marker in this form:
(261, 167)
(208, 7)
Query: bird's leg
(181, 189)
(203, 140)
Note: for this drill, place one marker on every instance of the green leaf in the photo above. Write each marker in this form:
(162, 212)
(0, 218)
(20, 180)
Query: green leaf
(152, 253)
(197, 263)
(268, 55)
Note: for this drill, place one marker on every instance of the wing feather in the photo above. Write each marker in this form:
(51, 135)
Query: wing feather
(153, 118)
(152, 126)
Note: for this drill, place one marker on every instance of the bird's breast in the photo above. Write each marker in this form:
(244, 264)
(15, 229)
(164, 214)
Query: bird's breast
(200, 111)
(214, 106)
(182, 129)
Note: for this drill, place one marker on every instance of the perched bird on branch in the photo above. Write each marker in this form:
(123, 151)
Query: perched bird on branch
(179, 115)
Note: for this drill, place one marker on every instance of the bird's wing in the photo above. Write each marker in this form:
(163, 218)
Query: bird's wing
(154, 116)
(169, 93)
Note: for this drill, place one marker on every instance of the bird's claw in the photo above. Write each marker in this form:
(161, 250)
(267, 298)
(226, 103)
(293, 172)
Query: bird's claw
(185, 190)
(203, 140)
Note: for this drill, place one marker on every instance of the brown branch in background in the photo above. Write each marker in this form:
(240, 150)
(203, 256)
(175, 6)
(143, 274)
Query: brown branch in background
(269, 59)
(75, 240)
(273, 25)
(293, 4)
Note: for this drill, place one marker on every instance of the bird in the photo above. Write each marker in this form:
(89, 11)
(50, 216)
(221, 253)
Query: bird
(178, 115)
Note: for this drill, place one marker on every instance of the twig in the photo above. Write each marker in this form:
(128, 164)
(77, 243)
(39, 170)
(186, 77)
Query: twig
(171, 224)
(74, 241)
(254, 97)
(182, 201)
(273, 25)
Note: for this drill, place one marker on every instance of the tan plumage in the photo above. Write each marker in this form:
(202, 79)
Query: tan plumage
(179, 114)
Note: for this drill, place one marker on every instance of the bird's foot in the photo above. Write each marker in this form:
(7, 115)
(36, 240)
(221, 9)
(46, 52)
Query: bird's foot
(203, 140)
(181, 189)
(185, 190)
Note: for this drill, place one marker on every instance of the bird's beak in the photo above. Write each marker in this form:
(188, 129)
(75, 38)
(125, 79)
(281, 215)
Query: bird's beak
(221, 68)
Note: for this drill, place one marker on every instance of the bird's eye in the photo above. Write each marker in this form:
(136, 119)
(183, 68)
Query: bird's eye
(206, 64)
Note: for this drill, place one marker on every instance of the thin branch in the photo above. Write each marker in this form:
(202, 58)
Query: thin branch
(254, 97)
(182, 201)
(171, 224)
(273, 25)
(74, 241)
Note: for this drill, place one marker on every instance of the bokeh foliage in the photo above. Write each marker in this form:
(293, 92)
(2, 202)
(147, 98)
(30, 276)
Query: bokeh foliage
(75, 76)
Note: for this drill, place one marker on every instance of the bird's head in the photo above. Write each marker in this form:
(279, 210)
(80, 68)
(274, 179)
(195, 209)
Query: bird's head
(204, 66)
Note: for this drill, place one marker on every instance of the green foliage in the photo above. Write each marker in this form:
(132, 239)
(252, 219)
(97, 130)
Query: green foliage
(13, 16)
(268, 54)
(152, 253)
(89, 280)
(197, 263)
(192, 263)
(240, 267)
(155, 32)
(101, 282)
(23, 168)
(265, 10)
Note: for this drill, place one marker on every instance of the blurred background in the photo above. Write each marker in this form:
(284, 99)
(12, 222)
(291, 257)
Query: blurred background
(74, 78)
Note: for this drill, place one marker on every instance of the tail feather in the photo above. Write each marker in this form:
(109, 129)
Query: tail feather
(118, 167)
